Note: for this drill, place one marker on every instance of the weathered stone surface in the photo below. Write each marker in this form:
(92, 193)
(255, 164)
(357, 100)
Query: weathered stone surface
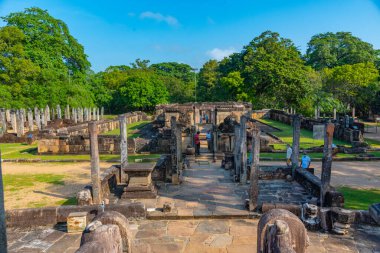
(76, 222)
(374, 211)
(101, 239)
(297, 231)
(84, 197)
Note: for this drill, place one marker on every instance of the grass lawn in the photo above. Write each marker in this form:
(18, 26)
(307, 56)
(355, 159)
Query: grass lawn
(359, 198)
(312, 155)
(373, 143)
(132, 129)
(286, 135)
(24, 151)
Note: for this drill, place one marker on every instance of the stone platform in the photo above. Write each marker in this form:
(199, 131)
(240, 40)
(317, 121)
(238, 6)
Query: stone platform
(192, 236)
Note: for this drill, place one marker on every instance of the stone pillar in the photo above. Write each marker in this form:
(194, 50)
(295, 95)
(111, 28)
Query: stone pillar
(326, 161)
(80, 114)
(123, 142)
(47, 111)
(38, 118)
(196, 116)
(67, 112)
(43, 119)
(75, 115)
(8, 115)
(97, 114)
(353, 112)
(30, 120)
(243, 149)
(94, 113)
(23, 114)
(254, 175)
(212, 117)
(85, 114)
(214, 142)
(59, 113)
(296, 142)
(13, 120)
(102, 112)
(175, 150)
(52, 115)
(95, 173)
(3, 122)
(3, 230)
(316, 113)
(237, 163)
(334, 114)
(20, 123)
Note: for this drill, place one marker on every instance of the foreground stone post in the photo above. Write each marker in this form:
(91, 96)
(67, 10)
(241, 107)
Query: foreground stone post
(237, 164)
(326, 161)
(296, 142)
(3, 230)
(30, 120)
(95, 174)
(254, 176)
(175, 150)
(59, 113)
(243, 148)
(123, 144)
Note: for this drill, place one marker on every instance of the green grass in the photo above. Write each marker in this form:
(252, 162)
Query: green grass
(67, 202)
(15, 182)
(132, 129)
(24, 151)
(373, 143)
(359, 199)
(286, 135)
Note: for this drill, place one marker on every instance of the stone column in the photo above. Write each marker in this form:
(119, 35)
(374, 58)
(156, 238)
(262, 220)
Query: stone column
(97, 114)
(85, 114)
(196, 116)
(102, 113)
(243, 148)
(59, 113)
(3, 230)
(23, 114)
(212, 117)
(237, 162)
(334, 113)
(80, 114)
(67, 112)
(3, 121)
(94, 113)
(30, 120)
(8, 115)
(254, 176)
(214, 142)
(175, 150)
(95, 173)
(43, 119)
(37, 116)
(353, 112)
(52, 115)
(123, 142)
(75, 115)
(296, 142)
(316, 113)
(326, 161)
(47, 114)
(20, 123)
(13, 120)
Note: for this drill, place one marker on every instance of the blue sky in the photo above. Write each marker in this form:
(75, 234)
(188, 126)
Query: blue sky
(120, 31)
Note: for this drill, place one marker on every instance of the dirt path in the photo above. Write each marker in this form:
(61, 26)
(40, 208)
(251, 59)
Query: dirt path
(35, 194)
(352, 174)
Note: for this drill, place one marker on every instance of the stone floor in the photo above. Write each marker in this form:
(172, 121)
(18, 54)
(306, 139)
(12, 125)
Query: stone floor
(193, 236)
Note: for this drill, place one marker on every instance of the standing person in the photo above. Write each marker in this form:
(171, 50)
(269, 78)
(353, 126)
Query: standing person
(305, 161)
(197, 142)
(289, 152)
(209, 140)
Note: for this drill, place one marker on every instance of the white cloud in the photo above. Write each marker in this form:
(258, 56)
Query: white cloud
(219, 54)
(172, 21)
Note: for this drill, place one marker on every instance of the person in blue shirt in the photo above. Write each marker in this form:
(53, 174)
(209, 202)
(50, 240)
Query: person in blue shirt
(305, 161)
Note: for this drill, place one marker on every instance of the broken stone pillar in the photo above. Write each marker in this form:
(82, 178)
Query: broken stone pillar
(123, 145)
(59, 113)
(67, 112)
(102, 112)
(20, 123)
(13, 120)
(37, 116)
(47, 113)
(30, 120)
(95, 173)
(254, 176)
(243, 149)
(326, 162)
(334, 113)
(281, 231)
(296, 142)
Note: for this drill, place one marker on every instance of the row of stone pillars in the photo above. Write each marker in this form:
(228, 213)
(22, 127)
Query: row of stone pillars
(94, 151)
(41, 117)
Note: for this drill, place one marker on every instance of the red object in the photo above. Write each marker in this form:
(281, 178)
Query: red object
(197, 140)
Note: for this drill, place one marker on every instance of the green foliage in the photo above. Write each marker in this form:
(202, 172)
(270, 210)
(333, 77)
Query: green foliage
(328, 50)
(41, 62)
(207, 82)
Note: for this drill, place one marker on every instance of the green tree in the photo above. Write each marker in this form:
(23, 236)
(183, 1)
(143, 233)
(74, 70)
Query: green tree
(207, 82)
(328, 50)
